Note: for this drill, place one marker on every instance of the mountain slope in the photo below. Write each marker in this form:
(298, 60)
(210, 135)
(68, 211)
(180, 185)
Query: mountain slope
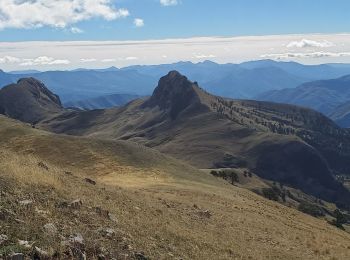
(144, 204)
(341, 115)
(5, 78)
(29, 101)
(206, 131)
(323, 96)
(101, 102)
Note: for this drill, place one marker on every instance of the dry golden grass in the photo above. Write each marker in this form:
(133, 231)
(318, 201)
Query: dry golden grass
(26, 170)
(164, 208)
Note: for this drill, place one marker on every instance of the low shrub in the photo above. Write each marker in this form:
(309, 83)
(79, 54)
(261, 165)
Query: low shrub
(311, 209)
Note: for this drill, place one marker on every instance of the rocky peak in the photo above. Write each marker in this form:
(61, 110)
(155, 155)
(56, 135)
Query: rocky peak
(174, 93)
(39, 90)
(29, 101)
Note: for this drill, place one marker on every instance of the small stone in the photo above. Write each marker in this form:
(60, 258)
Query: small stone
(76, 239)
(140, 256)
(108, 232)
(43, 166)
(127, 247)
(25, 202)
(82, 256)
(24, 243)
(19, 221)
(76, 204)
(50, 228)
(40, 254)
(17, 256)
(112, 217)
(41, 212)
(88, 180)
(101, 257)
(205, 214)
(3, 215)
(102, 212)
(3, 239)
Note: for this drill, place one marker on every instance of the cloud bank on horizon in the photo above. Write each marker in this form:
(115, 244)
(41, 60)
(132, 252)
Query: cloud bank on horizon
(307, 49)
(81, 28)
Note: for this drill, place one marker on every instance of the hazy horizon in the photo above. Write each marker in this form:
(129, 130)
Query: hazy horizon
(70, 34)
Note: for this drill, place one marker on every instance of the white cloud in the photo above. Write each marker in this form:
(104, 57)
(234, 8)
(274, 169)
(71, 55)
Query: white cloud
(225, 50)
(9, 59)
(108, 60)
(139, 22)
(121, 13)
(203, 56)
(305, 43)
(319, 54)
(43, 60)
(169, 2)
(131, 58)
(83, 60)
(76, 30)
(54, 13)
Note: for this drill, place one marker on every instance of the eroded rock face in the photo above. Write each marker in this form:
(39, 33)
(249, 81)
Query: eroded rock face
(174, 93)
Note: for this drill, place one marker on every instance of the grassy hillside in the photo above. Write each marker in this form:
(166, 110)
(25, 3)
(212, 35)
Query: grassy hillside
(283, 143)
(143, 204)
(341, 115)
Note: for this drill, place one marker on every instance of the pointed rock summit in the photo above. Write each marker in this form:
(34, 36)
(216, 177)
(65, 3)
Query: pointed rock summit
(39, 91)
(28, 100)
(175, 94)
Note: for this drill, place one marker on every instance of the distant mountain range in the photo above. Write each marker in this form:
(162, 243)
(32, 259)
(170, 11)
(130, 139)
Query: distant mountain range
(284, 143)
(330, 97)
(87, 84)
(102, 102)
(245, 80)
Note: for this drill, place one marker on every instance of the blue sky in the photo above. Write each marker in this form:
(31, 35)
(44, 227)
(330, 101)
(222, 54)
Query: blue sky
(191, 18)
(68, 34)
